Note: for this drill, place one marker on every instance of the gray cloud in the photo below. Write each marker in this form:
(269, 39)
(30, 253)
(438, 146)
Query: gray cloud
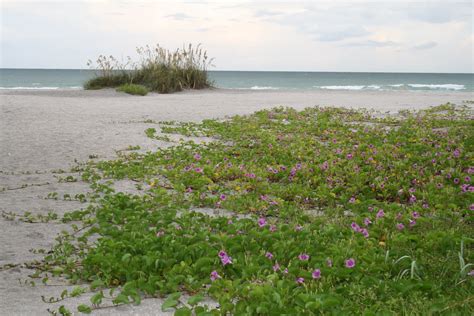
(426, 45)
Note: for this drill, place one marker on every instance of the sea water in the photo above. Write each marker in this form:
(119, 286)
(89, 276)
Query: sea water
(260, 80)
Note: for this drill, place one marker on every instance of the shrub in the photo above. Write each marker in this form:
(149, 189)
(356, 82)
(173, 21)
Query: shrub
(134, 89)
(158, 69)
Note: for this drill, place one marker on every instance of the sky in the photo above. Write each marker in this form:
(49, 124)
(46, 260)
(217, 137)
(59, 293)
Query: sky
(372, 36)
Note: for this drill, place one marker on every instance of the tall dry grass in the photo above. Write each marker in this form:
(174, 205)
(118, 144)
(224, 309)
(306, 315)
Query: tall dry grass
(157, 68)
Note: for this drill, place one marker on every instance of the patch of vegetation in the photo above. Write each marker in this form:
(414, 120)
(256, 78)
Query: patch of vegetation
(134, 89)
(332, 211)
(158, 70)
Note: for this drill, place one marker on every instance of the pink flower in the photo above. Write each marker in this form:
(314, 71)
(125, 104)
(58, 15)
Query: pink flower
(262, 222)
(298, 228)
(273, 228)
(415, 214)
(471, 273)
(316, 274)
(303, 257)
(367, 221)
(365, 232)
(160, 233)
(400, 226)
(329, 263)
(355, 227)
(215, 276)
(349, 156)
(412, 222)
(197, 156)
(269, 255)
(225, 259)
(380, 214)
(352, 200)
(285, 271)
(300, 280)
(189, 190)
(198, 170)
(350, 263)
(276, 267)
(222, 197)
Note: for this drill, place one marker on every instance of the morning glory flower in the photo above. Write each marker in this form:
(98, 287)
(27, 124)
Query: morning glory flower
(350, 263)
(303, 257)
(300, 280)
(316, 274)
(215, 276)
(269, 255)
(262, 222)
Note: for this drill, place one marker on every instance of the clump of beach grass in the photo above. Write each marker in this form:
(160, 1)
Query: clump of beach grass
(134, 89)
(157, 69)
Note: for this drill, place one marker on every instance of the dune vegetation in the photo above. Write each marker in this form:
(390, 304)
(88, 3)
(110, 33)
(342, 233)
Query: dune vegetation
(157, 69)
(322, 211)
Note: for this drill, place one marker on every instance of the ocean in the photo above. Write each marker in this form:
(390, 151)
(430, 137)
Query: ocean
(260, 80)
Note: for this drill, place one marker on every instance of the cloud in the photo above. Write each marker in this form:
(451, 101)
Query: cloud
(179, 16)
(266, 13)
(371, 43)
(426, 45)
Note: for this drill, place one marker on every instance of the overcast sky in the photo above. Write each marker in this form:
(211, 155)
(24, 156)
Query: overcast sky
(399, 36)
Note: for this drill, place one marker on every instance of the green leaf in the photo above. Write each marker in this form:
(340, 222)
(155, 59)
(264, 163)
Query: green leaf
(169, 303)
(193, 300)
(84, 309)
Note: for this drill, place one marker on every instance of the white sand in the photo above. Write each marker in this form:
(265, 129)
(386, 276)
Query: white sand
(41, 131)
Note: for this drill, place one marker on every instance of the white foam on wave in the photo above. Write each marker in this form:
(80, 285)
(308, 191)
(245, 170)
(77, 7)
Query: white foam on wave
(263, 88)
(396, 85)
(447, 86)
(341, 87)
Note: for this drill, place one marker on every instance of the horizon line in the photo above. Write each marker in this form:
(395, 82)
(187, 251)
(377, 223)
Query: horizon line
(300, 71)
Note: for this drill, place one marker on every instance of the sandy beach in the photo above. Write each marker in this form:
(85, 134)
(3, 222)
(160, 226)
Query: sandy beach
(44, 131)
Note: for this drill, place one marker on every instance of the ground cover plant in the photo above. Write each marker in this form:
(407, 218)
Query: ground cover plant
(134, 89)
(326, 211)
(158, 69)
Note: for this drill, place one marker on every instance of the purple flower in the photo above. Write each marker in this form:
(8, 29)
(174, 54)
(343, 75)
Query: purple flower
(365, 232)
(160, 233)
(467, 179)
(415, 214)
(412, 222)
(273, 228)
(329, 263)
(298, 228)
(456, 180)
(262, 222)
(350, 263)
(225, 259)
(303, 257)
(316, 274)
(380, 214)
(471, 207)
(276, 267)
(269, 255)
(352, 200)
(198, 170)
(285, 271)
(355, 227)
(215, 276)
(456, 153)
(412, 199)
(400, 226)
(471, 273)
(300, 280)
(197, 156)
(367, 221)
(349, 156)
(222, 197)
